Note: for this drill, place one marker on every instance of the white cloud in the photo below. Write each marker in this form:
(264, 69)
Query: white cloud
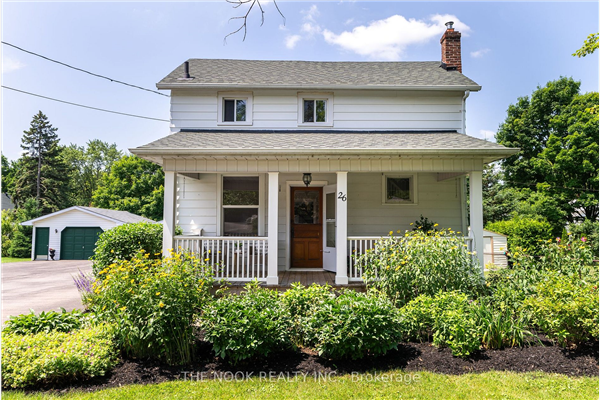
(292, 40)
(479, 53)
(10, 64)
(283, 27)
(387, 39)
(311, 13)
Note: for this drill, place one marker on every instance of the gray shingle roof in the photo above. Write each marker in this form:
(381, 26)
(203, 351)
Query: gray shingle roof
(317, 74)
(123, 216)
(294, 142)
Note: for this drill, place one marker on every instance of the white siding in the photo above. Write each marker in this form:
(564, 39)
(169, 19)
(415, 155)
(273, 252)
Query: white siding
(367, 216)
(196, 206)
(495, 246)
(352, 109)
(73, 218)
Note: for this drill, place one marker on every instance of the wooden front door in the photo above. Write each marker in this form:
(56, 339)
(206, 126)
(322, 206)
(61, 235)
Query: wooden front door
(307, 227)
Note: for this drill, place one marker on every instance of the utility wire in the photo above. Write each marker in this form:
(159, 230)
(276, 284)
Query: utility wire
(81, 105)
(83, 70)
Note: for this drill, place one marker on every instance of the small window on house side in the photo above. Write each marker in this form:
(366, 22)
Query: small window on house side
(399, 190)
(315, 111)
(235, 109)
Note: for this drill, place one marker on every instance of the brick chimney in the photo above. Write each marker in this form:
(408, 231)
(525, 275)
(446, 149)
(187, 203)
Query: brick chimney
(450, 41)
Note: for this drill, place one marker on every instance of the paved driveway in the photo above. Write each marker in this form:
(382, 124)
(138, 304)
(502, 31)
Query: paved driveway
(40, 285)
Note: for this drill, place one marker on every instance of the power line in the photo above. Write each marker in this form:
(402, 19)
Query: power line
(81, 105)
(87, 72)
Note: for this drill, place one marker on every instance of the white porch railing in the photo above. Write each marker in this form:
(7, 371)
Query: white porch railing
(232, 258)
(358, 245)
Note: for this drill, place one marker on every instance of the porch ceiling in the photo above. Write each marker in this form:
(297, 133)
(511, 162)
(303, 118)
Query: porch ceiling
(286, 145)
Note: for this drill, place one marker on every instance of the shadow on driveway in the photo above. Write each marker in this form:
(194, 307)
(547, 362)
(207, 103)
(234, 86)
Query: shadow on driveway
(41, 286)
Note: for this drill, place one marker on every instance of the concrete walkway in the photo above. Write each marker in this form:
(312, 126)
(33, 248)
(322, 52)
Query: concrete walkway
(40, 285)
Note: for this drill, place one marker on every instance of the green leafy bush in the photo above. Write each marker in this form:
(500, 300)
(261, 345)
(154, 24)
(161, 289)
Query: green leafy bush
(525, 233)
(566, 309)
(501, 328)
(353, 325)
(153, 304)
(588, 229)
(253, 323)
(56, 356)
(570, 257)
(125, 241)
(300, 303)
(46, 321)
(420, 263)
(447, 317)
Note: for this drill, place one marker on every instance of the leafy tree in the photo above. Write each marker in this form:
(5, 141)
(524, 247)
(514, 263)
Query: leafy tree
(133, 185)
(569, 162)
(20, 242)
(590, 45)
(556, 171)
(9, 170)
(89, 164)
(528, 126)
(42, 172)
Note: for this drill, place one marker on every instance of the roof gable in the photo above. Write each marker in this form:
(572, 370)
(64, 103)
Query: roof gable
(111, 215)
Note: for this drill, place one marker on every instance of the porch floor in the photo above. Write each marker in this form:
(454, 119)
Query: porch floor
(306, 278)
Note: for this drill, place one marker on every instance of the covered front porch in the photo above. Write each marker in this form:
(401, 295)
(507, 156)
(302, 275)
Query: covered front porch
(290, 232)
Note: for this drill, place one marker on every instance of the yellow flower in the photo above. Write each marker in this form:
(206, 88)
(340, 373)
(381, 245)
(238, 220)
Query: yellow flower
(161, 304)
(434, 225)
(158, 293)
(123, 308)
(411, 223)
(391, 233)
(398, 231)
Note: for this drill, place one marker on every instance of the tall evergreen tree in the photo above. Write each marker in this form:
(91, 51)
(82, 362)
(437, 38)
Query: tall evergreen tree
(43, 173)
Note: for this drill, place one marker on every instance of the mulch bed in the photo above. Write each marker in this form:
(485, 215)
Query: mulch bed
(581, 361)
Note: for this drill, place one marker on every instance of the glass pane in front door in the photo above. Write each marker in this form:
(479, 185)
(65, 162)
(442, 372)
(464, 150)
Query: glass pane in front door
(330, 219)
(306, 207)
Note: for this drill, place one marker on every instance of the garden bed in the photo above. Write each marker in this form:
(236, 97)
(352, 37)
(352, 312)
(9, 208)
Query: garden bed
(581, 361)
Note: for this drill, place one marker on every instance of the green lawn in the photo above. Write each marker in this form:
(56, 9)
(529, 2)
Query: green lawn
(6, 260)
(489, 385)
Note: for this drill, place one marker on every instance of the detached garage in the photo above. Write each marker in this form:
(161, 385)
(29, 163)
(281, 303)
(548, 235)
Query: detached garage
(73, 232)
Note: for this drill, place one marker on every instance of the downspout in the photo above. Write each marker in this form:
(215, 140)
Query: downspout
(464, 111)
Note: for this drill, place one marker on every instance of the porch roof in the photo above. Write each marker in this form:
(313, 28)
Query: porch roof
(189, 143)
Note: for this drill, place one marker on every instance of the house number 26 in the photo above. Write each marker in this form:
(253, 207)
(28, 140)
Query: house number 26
(342, 196)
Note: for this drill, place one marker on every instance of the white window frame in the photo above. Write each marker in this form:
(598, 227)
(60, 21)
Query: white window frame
(413, 190)
(261, 202)
(246, 96)
(328, 97)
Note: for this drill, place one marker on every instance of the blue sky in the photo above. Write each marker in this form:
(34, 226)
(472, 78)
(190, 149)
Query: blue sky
(508, 48)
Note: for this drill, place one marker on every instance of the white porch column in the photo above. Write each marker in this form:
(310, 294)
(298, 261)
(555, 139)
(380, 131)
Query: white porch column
(272, 278)
(341, 236)
(169, 211)
(476, 205)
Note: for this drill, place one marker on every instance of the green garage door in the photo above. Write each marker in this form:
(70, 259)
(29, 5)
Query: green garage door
(78, 243)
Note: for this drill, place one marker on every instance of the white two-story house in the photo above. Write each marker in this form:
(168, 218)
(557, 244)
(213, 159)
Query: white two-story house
(276, 166)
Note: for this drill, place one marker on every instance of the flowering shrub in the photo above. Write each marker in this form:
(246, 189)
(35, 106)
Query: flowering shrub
(253, 323)
(125, 241)
(572, 257)
(404, 267)
(353, 325)
(522, 232)
(153, 304)
(46, 321)
(566, 309)
(56, 356)
(84, 282)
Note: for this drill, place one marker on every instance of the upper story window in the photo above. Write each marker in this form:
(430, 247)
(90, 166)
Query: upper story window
(315, 109)
(235, 109)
